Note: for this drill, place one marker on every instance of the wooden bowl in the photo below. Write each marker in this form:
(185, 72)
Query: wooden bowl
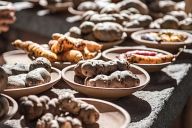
(19, 92)
(16, 55)
(107, 45)
(112, 53)
(13, 107)
(168, 46)
(68, 75)
(111, 115)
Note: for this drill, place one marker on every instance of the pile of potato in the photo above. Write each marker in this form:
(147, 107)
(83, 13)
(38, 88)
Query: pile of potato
(108, 74)
(102, 32)
(64, 111)
(173, 20)
(61, 48)
(131, 14)
(109, 23)
(24, 75)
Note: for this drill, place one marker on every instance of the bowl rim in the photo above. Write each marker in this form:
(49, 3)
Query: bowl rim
(122, 110)
(103, 88)
(11, 111)
(104, 54)
(136, 37)
(55, 70)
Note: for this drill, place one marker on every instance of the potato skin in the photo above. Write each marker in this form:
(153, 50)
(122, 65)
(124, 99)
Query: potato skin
(118, 79)
(108, 31)
(37, 77)
(92, 68)
(40, 62)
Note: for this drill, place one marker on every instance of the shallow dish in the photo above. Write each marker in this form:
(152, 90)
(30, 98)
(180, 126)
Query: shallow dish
(16, 55)
(112, 53)
(168, 46)
(68, 75)
(13, 107)
(111, 115)
(19, 92)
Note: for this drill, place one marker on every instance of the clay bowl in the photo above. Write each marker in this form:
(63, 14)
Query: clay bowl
(68, 75)
(19, 92)
(13, 107)
(167, 46)
(107, 45)
(21, 57)
(112, 53)
(111, 115)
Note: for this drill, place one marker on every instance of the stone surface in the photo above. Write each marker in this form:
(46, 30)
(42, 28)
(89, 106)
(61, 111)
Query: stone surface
(155, 106)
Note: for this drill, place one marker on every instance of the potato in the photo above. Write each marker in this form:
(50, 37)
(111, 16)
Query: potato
(91, 68)
(125, 4)
(118, 79)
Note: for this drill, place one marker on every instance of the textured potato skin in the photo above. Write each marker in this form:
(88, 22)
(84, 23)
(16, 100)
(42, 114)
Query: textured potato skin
(92, 68)
(37, 76)
(40, 62)
(118, 79)
(66, 105)
(16, 81)
(108, 31)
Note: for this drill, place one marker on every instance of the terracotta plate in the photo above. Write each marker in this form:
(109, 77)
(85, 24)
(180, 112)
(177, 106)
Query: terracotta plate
(68, 75)
(13, 107)
(112, 53)
(168, 46)
(19, 92)
(111, 115)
